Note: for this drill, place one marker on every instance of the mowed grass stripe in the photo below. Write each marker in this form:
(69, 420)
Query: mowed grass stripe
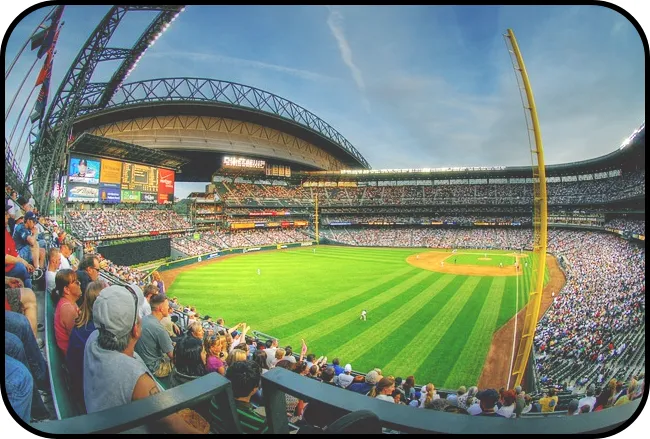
(412, 355)
(507, 310)
(399, 333)
(304, 317)
(472, 358)
(438, 364)
(356, 258)
(373, 304)
(373, 331)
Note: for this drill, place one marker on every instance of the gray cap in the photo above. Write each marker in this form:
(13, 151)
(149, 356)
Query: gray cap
(114, 309)
(372, 377)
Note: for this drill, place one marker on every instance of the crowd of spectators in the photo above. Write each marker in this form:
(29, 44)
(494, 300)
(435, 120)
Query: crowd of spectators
(634, 226)
(98, 223)
(411, 219)
(580, 192)
(213, 241)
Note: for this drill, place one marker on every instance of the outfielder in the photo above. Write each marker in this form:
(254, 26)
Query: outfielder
(363, 315)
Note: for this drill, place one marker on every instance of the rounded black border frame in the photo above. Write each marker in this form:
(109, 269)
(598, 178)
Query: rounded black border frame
(605, 4)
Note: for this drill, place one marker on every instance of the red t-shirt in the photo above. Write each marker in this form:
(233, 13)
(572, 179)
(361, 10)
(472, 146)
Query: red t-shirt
(64, 316)
(10, 249)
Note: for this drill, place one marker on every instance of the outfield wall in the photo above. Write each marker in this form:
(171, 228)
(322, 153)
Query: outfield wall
(231, 251)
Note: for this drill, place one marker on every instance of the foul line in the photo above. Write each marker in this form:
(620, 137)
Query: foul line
(514, 333)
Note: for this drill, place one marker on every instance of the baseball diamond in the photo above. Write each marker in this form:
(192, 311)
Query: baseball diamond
(422, 320)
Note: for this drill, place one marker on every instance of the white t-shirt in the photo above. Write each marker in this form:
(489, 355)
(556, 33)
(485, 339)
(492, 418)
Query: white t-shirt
(591, 400)
(50, 277)
(14, 207)
(386, 398)
(65, 264)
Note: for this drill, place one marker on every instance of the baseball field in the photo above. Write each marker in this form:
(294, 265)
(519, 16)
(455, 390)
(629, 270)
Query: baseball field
(431, 314)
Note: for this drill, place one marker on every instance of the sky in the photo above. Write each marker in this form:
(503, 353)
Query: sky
(408, 86)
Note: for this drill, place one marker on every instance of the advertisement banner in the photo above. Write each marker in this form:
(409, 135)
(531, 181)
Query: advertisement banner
(242, 226)
(166, 181)
(272, 224)
(148, 198)
(109, 193)
(300, 223)
(83, 170)
(83, 194)
(165, 198)
(111, 171)
(130, 196)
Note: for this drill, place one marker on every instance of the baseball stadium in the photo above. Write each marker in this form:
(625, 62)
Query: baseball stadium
(303, 289)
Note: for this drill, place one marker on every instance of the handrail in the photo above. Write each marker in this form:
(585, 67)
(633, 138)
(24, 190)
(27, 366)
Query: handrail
(137, 413)
(407, 419)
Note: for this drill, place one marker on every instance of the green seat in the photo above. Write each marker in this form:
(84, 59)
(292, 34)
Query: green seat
(64, 405)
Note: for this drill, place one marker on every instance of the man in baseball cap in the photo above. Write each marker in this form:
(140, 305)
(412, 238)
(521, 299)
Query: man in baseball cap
(27, 245)
(113, 373)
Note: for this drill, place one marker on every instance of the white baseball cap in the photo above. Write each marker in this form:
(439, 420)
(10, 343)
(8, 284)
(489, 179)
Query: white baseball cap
(348, 368)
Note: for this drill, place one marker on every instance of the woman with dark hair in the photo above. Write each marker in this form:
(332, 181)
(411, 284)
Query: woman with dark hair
(409, 387)
(213, 350)
(68, 290)
(189, 361)
(259, 357)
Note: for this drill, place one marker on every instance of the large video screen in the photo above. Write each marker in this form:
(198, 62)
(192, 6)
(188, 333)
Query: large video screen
(95, 180)
(83, 170)
(234, 162)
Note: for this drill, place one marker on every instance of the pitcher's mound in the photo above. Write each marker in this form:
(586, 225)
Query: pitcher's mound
(432, 261)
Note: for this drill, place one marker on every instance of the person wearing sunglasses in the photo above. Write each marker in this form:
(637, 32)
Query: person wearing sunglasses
(68, 290)
(113, 373)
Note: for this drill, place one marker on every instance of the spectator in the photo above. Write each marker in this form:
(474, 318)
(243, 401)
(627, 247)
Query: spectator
(196, 330)
(345, 378)
(338, 370)
(235, 356)
(245, 378)
(66, 254)
(260, 358)
(327, 376)
(88, 272)
(606, 397)
(15, 265)
(271, 347)
(488, 399)
(26, 244)
(279, 355)
(288, 355)
(364, 387)
(548, 401)
(590, 399)
(12, 209)
(114, 374)
(383, 390)
(149, 291)
(83, 327)
(439, 405)
(507, 409)
(213, 350)
(428, 394)
(157, 281)
(154, 345)
(573, 408)
(453, 397)
(19, 386)
(22, 301)
(189, 361)
(53, 265)
(68, 291)
(20, 345)
(468, 399)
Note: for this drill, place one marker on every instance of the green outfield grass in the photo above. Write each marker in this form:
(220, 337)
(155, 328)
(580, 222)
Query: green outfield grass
(435, 326)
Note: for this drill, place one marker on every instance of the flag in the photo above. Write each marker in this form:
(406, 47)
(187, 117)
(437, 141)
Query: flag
(48, 37)
(39, 37)
(47, 65)
(41, 101)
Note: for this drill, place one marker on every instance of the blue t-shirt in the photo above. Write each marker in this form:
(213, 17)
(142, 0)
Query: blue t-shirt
(75, 356)
(21, 233)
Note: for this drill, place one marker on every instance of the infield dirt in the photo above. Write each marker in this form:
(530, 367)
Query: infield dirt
(442, 262)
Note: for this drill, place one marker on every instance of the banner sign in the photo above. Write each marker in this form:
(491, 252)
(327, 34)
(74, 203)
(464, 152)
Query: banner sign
(130, 196)
(111, 171)
(109, 193)
(83, 194)
(148, 198)
(166, 181)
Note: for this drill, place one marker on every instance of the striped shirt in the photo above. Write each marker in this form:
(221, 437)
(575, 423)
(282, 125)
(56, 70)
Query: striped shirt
(250, 421)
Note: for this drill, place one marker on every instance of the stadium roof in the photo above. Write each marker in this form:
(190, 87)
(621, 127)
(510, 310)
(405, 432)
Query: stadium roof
(110, 148)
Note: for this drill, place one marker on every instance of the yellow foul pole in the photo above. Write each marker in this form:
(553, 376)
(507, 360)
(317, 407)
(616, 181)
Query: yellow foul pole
(540, 224)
